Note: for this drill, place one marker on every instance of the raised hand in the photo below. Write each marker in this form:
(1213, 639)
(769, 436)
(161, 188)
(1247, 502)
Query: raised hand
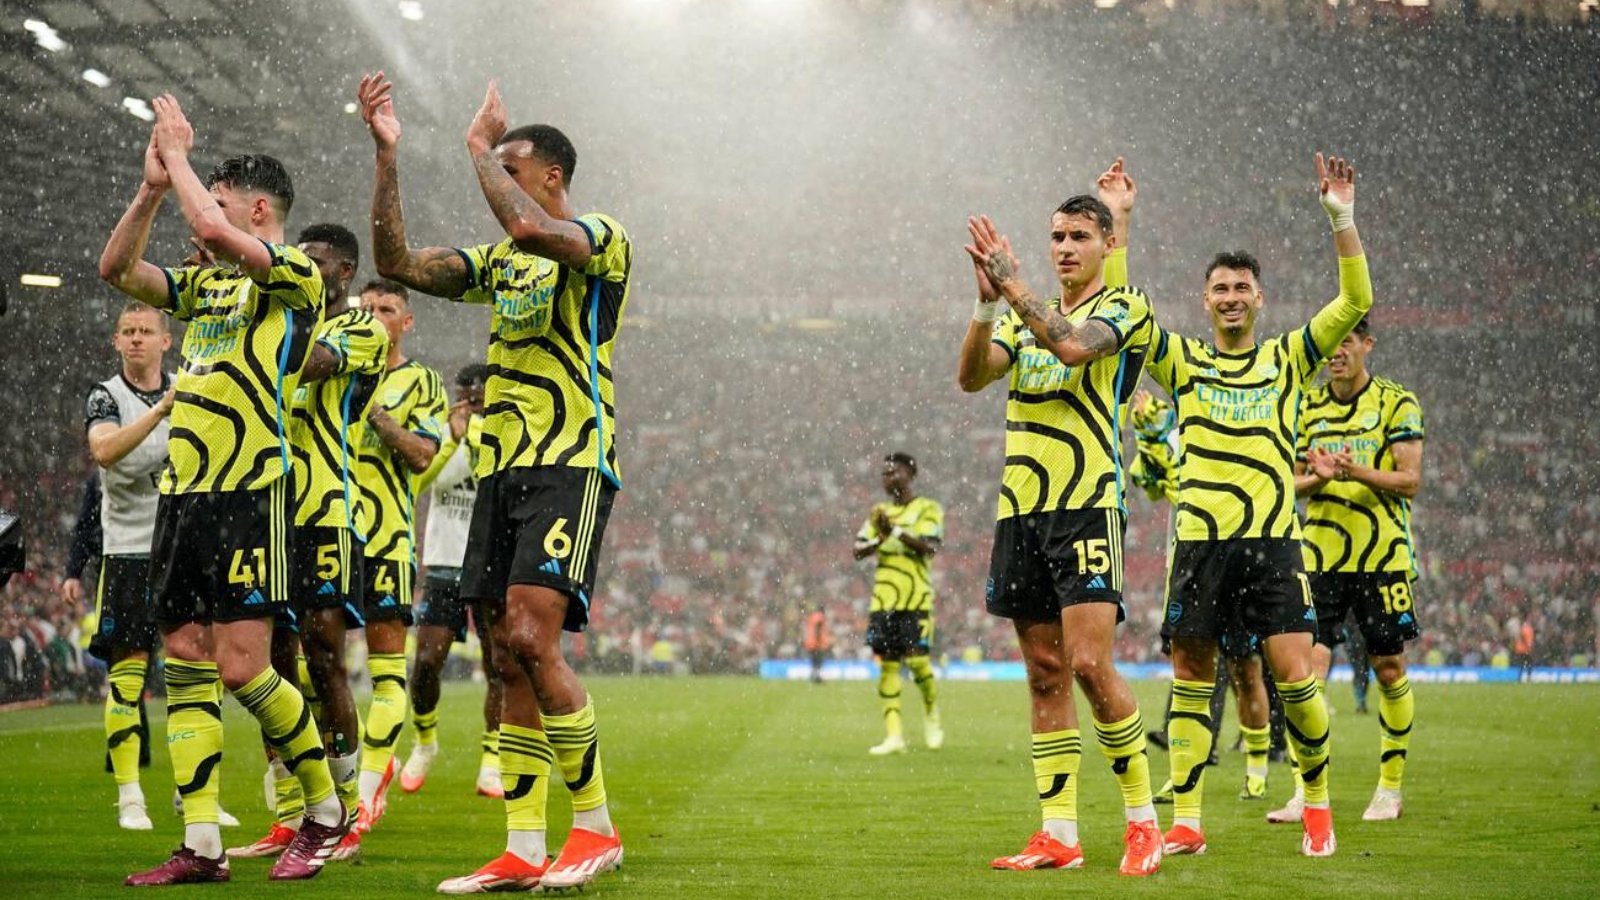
(374, 96)
(1116, 189)
(1336, 182)
(155, 172)
(1322, 463)
(991, 251)
(489, 125)
(173, 135)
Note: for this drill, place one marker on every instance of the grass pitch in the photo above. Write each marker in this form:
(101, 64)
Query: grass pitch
(740, 788)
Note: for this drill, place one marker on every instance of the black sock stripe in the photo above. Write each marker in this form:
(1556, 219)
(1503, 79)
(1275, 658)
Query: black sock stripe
(386, 741)
(202, 774)
(312, 754)
(1391, 754)
(117, 698)
(214, 710)
(893, 696)
(1202, 718)
(1311, 743)
(520, 786)
(1119, 766)
(1313, 773)
(1190, 782)
(397, 679)
(1057, 785)
(586, 774)
(117, 738)
(1391, 730)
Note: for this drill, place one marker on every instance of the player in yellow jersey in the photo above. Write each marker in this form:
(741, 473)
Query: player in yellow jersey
(557, 283)
(1235, 567)
(904, 534)
(1360, 467)
(339, 383)
(220, 554)
(401, 436)
(1056, 568)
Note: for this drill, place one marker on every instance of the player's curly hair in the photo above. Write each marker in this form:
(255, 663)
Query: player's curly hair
(341, 239)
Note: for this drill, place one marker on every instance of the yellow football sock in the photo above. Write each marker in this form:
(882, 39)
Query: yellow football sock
(1123, 744)
(1189, 744)
(194, 736)
(289, 806)
(1306, 716)
(1396, 712)
(427, 726)
(1056, 755)
(387, 714)
(1257, 744)
(307, 689)
(491, 750)
(922, 675)
(123, 733)
(577, 748)
(287, 724)
(525, 760)
(889, 691)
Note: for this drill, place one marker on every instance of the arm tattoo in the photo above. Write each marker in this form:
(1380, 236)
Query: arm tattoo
(1097, 337)
(999, 267)
(1043, 321)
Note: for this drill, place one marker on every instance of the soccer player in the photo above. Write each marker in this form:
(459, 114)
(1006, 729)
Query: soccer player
(1360, 467)
(398, 442)
(337, 387)
(904, 534)
(442, 615)
(1056, 568)
(126, 420)
(220, 550)
(1235, 568)
(558, 283)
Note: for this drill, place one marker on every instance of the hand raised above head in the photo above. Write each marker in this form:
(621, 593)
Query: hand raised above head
(375, 98)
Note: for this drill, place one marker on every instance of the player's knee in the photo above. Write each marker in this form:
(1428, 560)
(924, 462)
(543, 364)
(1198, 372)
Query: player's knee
(1389, 669)
(1047, 677)
(1090, 666)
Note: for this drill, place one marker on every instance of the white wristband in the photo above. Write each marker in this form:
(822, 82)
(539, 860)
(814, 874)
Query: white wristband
(1342, 215)
(985, 312)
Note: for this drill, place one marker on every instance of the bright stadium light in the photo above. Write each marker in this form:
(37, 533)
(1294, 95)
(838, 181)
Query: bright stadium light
(97, 77)
(46, 281)
(138, 108)
(45, 35)
(1105, 4)
(411, 10)
(351, 108)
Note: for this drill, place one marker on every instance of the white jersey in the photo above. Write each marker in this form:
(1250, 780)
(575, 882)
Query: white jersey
(130, 488)
(450, 501)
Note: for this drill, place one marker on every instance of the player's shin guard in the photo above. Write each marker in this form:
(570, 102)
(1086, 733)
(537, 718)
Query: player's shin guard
(288, 726)
(525, 761)
(194, 736)
(124, 735)
(308, 689)
(388, 712)
(577, 748)
(288, 804)
(1307, 717)
(1123, 744)
(426, 722)
(1189, 744)
(1396, 710)
(922, 674)
(889, 692)
(1056, 756)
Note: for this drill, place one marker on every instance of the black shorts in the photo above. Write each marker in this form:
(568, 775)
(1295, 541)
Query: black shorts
(442, 606)
(1235, 591)
(1383, 603)
(542, 526)
(122, 604)
(1046, 562)
(902, 633)
(387, 590)
(328, 572)
(222, 556)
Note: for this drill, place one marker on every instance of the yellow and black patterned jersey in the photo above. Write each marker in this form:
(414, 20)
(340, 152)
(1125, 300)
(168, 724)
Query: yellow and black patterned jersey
(329, 416)
(1237, 417)
(1350, 527)
(550, 400)
(413, 395)
(1063, 449)
(903, 582)
(242, 354)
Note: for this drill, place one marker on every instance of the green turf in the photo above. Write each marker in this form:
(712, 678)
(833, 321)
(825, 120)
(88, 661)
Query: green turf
(742, 788)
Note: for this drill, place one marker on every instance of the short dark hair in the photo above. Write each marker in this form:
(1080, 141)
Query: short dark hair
(903, 459)
(255, 172)
(1363, 328)
(475, 374)
(385, 286)
(549, 144)
(1087, 205)
(341, 239)
(1234, 259)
